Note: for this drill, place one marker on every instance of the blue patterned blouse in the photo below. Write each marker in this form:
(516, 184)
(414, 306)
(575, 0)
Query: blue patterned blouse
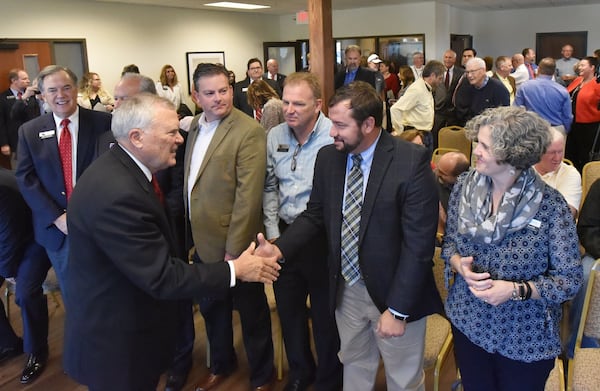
(547, 255)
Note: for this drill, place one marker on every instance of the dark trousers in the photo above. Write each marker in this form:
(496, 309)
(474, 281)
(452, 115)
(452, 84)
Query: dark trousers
(306, 274)
(579, 143)
(485, 371)
(182, 362)
(250, 301)
(29, 296)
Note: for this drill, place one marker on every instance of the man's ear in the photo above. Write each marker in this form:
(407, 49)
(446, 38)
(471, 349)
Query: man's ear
(136, 137)
(368, 125)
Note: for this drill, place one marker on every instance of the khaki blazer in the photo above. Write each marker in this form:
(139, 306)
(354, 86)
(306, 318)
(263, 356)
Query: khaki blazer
(226, 196)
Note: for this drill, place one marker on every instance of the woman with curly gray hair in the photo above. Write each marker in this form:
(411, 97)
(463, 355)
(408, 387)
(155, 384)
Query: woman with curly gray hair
(511, 248)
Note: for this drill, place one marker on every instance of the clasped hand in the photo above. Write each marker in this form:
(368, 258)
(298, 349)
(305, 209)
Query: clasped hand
(482, 286)
(257, 265)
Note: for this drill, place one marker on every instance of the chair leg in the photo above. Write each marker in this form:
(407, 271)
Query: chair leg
(279, 352)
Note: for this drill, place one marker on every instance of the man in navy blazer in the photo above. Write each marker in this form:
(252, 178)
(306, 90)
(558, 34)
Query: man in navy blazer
(25, 262)
(127, 282)
(381, 309)
(39, 168)
(353, 70)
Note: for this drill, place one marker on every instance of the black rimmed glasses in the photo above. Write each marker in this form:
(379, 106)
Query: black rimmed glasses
(296, 152)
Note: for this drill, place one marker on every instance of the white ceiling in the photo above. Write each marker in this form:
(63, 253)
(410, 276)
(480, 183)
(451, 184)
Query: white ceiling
(282, 7)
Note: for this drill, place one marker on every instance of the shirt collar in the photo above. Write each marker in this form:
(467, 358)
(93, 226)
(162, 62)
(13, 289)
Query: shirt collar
(141, 165)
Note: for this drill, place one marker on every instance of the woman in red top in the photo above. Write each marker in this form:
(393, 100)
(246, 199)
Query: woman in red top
(585, 96)
(392, 83)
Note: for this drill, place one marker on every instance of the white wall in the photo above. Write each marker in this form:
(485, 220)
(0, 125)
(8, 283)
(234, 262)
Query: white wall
(507, 32)
(120, 34)
(494, 32)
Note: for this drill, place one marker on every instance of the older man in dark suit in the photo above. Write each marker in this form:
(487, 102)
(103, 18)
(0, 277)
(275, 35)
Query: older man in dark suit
(353, 71)
(122, 309)
(24, 262)
(376, 198)
(272, 73)
(442, 95)
(54, 150)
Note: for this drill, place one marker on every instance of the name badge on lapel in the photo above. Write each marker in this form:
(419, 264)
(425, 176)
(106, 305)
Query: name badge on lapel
(46, 134)
(245, 89)
(283, 148)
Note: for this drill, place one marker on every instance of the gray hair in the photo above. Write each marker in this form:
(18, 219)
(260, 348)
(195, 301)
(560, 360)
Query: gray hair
(51, 70)
(137, 112)
(476, 60)
(146, 83)
(519, 137)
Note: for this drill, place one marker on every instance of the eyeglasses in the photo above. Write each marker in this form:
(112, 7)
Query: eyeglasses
(473, 71)
(296, 152)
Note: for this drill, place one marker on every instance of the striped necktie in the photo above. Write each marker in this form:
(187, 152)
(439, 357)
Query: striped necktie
(351, 222)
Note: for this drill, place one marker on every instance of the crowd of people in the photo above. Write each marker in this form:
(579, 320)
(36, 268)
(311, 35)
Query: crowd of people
(350, 215)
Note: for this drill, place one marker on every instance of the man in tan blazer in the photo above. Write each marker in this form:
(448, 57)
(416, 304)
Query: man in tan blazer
(225, 165)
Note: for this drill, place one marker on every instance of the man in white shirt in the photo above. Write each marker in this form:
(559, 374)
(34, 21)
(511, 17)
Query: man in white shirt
(418, 64)
(415, 109)
(555, 172)
(521, 74)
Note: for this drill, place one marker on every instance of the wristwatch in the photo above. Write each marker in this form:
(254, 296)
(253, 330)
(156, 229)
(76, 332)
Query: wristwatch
(399, 317)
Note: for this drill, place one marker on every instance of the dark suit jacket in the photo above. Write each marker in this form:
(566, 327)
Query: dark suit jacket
(240, 96)
(16, 232)
(39, 171)
(170, 181)
(8, 127)
(362, 74)
(443, 96)
(123, 314)
(25, 110)
(397, 228)
(280, 80)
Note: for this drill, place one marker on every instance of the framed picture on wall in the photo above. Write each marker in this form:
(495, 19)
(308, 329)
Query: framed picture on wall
(400, 48)
(195, 58)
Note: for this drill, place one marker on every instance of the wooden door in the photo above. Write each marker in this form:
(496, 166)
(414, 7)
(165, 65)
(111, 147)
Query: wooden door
(550, 44)
(29, 55)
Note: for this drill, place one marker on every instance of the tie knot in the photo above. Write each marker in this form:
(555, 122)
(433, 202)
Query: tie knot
(65, 123)
(357, 159)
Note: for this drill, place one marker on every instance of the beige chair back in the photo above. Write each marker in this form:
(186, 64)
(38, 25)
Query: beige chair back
(589, 174)
(454, 137)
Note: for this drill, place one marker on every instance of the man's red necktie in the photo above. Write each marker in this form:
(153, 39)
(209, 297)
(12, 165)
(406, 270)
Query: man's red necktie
(157, 190)
(66, 156)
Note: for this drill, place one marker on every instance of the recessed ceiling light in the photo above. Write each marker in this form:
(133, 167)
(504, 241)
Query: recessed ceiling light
(245, 6)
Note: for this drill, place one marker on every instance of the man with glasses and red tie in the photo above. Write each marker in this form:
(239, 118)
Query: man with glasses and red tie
(240, 89)
(54, 150)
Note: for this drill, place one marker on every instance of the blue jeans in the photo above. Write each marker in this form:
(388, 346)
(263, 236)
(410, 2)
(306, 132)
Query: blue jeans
(576, 309)
(59, 259)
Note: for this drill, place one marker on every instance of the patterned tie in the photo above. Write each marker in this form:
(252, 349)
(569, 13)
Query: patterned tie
(19, 95)
(351, 222)
(157, 190)
(447, 79)
(258, 114)
(66, 156)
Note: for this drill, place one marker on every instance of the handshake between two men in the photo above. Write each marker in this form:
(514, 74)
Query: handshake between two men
(258, 264)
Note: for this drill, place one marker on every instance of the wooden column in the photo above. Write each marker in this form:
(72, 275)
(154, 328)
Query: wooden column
(321, 45)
